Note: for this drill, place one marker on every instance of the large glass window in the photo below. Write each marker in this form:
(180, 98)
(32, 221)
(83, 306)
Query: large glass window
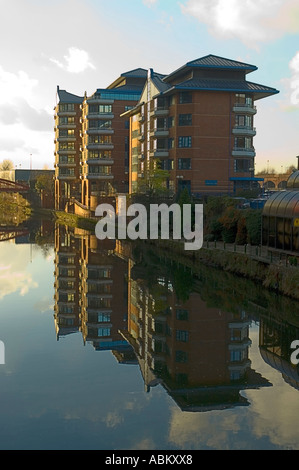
(184, 163)
(242, 165)
(185, 142)
(97, 124)
(185, 97)
(182, 335)
(66, 107)
(185, 119)
(99, 139)
(243, 142)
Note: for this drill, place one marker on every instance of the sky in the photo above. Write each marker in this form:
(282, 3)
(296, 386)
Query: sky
(84, 45)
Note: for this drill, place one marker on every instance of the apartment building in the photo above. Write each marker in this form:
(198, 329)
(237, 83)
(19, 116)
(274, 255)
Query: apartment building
(67, 147)
(197, 123)
(92, 141)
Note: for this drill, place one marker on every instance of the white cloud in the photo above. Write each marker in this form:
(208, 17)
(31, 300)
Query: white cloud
(15, 84)
(251, 21)
(290, 85)
(150, 3)
(76, 61)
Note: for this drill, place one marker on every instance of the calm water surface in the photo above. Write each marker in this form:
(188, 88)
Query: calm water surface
(109, 347)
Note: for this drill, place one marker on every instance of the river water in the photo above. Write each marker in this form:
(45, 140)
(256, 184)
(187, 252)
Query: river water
(110, 346)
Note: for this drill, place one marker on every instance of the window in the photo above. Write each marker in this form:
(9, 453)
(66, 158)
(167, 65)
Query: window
(66, 107)
(93, 124)
(104, 317)
(181, 357)
(243, 121)
(182, 314)
(241, 98)
(184, 163)
(120, 96)
(63, 120)
(67, 159)
(242, 165)
(66, 172)
(98, 154)
(103, 332)
(67, 146)
(66, 133)
(182, 335)
(100, 108)
(166, 164)
(243, 142)
(185, 142)
(99, 139)
(185, 119)
(99, 170)
(185, 97)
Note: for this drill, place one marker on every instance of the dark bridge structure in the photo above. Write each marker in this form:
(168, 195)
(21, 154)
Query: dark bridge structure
(7, 186)
(11, 232)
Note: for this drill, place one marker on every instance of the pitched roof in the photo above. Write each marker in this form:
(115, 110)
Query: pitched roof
(66, 97)
(236, 86)
(213, 61)
(157, 80)
(137, 73)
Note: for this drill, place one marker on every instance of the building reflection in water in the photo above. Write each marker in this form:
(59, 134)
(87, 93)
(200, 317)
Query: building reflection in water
(91, 291)
(276, 334)
(156, 317)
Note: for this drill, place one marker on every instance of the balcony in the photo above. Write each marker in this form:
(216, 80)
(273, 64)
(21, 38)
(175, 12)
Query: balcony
(99, 161)
(99, 101)
(100, 115)
(243, 152)
(66, 126)
(160, 111)
(99, 176)
(70, 138)
(100, 131)
(100, 147)
(67, 151)
(160, 153)
(67, 113)
(160, 132)
(244, 130)
(66, 164)
(244, 108)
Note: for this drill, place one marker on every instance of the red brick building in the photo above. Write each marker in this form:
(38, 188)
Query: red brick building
(198, 124)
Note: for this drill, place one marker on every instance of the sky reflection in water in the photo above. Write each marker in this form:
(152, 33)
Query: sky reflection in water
(66, 395)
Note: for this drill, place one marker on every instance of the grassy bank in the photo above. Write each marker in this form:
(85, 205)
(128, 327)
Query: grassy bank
(281, 279)
(74, 220)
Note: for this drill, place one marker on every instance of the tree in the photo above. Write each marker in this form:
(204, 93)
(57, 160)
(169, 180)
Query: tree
(6, 165)
(44, 182)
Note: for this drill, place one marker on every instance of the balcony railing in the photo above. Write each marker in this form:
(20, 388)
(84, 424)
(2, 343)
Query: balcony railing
(160, 111)
(160, 132)
(243, 152)
(245, 108)
(244, 130)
